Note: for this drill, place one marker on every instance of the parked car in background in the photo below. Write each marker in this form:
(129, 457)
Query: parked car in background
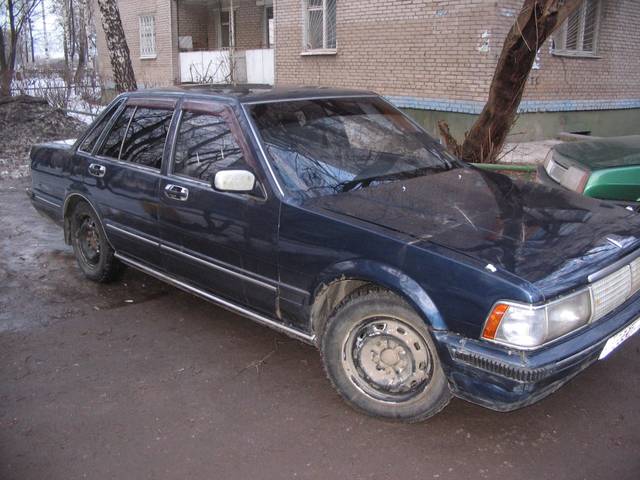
(332, 217)
(605, 168)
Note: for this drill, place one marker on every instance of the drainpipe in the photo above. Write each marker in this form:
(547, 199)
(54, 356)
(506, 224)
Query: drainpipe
(178, 40)
(232, 43)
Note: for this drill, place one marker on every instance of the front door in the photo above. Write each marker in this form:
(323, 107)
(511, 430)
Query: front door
(126, 173)
(224, 243)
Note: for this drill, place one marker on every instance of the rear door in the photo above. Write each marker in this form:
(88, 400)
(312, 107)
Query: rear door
(225, 243)
(126, 172)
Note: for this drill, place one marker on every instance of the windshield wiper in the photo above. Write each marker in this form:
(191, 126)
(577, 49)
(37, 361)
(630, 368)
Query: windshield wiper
(365, 182)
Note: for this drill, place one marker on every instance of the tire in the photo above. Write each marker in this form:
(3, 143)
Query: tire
(93, 253)
(380, 357)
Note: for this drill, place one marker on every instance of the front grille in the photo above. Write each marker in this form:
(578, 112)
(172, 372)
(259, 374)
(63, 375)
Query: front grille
(616, 288)
(611, 292)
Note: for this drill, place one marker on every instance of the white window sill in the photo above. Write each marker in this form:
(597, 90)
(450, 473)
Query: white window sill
(320, 51)
(573, 54)
(148, 57)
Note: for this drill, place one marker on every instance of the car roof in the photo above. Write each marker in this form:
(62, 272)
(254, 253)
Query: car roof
(252, 95)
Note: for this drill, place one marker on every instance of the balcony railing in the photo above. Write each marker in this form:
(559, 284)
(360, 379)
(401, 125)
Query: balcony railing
(215, 66)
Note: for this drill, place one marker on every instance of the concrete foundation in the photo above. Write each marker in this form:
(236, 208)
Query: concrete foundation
(541, 126)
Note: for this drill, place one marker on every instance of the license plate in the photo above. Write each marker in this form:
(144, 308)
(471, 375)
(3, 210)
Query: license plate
(615, 341)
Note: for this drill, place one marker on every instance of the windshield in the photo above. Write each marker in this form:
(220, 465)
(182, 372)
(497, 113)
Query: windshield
(328, 146)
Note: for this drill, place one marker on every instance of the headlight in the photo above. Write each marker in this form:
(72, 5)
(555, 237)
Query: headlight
(571, 177)
(575, 179)
(526, 326)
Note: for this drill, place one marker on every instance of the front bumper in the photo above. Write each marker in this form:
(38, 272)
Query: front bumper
(506, 379)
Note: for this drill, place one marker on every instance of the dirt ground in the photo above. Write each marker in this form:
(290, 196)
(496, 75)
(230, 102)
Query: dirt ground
(137, 380)
(24, 121)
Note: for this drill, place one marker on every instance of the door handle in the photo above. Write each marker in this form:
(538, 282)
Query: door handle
(176, 192)
(97, 170)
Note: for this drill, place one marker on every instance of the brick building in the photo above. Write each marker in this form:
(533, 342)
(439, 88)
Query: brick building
(433, 58)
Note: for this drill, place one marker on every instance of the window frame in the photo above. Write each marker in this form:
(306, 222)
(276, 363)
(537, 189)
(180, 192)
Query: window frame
(560, 38)
(137, 102)
(147, 52)
(224, 111)
(325, 49)
(267, 38)
(112, 111)
(137, 107)
(232, 44)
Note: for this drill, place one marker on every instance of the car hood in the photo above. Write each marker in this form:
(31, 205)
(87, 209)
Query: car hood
(547, 236)
(600, 153)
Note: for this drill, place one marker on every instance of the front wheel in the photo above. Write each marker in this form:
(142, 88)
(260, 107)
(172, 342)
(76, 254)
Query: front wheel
(93, 253)
(379, 355)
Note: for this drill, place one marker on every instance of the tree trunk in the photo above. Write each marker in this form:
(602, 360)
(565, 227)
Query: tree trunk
(535, 23)
(82, 44)
(72, 31)
(4, 68)
(8, 64)
(18, 15)
(123, 75)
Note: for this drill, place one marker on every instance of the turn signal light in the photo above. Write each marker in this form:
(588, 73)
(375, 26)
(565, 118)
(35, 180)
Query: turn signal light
(493, 322)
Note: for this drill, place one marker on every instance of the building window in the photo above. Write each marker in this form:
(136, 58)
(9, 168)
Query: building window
(578, 35)
(227, 40)
(147, 36)
(319, 24)
(270, 32)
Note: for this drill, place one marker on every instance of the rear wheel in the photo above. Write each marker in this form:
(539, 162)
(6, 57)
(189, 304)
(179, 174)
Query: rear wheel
(93, 253)
(379, 355)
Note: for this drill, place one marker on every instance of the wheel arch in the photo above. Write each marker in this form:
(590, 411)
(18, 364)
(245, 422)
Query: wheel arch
(342, 279)
(70, 201)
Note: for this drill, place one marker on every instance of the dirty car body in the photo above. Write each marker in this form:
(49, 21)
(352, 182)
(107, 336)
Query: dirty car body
(519, 286)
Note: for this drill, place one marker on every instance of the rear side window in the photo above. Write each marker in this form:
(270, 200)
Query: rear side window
(204, 146)
(90, 140)
(111, 146)
(145, 138)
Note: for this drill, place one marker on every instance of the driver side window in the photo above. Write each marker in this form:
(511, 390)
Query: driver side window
(205, 145)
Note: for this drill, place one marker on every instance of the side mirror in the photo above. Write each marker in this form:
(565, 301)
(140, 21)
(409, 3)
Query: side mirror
(239, 181)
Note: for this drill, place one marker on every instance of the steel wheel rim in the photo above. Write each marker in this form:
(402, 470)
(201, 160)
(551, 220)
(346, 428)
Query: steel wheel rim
(88, 237)
(387, 359)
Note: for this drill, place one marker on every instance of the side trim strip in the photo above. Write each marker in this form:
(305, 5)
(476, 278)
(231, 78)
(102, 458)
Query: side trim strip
(206, 263)
(44, 200)
(218, 267)
(219, 301)
(133, 235)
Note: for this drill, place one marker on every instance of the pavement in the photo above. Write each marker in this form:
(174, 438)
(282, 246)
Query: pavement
(529, 153)
(137, 380)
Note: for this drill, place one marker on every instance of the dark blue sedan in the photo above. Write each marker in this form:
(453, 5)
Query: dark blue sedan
(332, 217)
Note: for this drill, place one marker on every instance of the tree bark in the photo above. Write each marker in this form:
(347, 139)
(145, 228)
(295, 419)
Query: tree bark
(123, 75)
(4, 85)
(535, 23)
(82, 44)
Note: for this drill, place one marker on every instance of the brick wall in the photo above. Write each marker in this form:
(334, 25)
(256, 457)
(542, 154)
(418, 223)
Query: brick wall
(250, 25)
(615, 74)
(197, 21)
(448, 50)
(175, 19)
(159, 71)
